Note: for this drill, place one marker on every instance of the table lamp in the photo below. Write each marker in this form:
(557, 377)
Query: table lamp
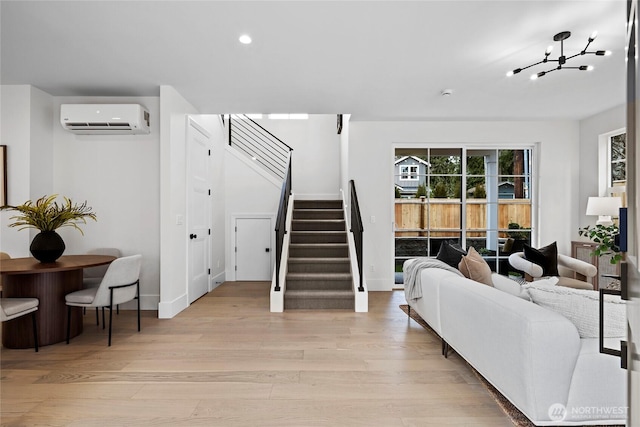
(604, 208)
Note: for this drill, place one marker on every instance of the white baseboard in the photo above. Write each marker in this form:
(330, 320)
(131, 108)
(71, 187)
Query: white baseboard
(216, 281)
(147, 302)
(379, 285)
(169, 309)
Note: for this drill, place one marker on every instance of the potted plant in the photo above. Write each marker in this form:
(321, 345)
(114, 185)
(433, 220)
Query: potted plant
(606, 236)
(47, 216)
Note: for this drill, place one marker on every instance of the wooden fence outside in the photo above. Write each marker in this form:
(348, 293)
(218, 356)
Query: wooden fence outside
(443, 216)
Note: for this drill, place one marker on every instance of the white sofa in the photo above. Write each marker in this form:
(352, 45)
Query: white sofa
(532, 355)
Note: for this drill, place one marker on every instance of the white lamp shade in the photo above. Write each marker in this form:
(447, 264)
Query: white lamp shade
(604, 206)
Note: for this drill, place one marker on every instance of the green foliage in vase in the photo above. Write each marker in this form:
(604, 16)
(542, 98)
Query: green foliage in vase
(47, 215)
(605, 237)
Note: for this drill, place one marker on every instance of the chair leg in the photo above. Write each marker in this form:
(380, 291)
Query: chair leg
(97, 317)
(110, 316)
(35, 330)
(445, 349)
(102, 317)
(68, 323)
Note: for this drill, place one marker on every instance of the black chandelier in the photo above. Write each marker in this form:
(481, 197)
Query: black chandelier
(562, 59)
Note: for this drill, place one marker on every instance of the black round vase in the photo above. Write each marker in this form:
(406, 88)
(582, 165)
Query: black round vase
(47, 246)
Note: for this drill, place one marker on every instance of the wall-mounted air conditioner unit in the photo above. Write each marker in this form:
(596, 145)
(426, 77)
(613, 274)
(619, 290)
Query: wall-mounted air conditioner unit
(105, 119)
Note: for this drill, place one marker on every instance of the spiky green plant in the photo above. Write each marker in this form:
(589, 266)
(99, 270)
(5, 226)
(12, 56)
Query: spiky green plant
(47, 215)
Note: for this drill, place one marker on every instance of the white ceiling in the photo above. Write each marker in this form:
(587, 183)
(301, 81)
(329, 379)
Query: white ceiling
(385, 60)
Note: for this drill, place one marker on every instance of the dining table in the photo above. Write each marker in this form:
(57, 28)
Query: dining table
(50, 283)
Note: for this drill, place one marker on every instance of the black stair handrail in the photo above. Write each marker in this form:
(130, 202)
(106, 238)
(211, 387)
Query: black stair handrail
(257, 143)
(357, 229)
(281, 220)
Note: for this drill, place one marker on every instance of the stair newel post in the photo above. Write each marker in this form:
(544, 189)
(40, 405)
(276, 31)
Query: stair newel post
(281, 220)
(357, 229)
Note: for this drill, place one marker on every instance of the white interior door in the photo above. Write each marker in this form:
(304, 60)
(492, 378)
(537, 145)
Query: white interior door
(253, 248)
(199, 210)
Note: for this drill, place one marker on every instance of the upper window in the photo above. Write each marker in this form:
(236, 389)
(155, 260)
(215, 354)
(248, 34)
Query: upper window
(409, 172)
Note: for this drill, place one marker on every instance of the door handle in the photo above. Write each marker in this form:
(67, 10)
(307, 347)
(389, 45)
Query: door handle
(267, 249)
(193, 236)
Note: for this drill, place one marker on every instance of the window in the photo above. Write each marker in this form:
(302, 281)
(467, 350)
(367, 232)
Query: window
(475, 197)
(409, 172)
(612, 163)
(617, 160)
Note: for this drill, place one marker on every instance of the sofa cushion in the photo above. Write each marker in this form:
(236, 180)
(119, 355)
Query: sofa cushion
(451, 253)
(474, 267)
(546, 257)
(581, 306)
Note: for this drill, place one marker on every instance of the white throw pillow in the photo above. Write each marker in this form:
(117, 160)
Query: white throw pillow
(581, 308)
(509, 286)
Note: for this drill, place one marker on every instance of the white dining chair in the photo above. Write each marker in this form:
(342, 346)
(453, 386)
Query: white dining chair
(16, 307)
(92, 276)
(120, 284)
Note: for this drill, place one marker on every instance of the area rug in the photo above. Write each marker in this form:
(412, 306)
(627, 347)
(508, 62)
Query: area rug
(517, 417)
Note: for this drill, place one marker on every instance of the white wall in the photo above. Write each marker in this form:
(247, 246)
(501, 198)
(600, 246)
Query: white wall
(42, 147)
(371, 149)
(316, 154)
(248, 193)
(27, 132)
(173, 242)
(344, 155)
(118, 176)
(590, 130)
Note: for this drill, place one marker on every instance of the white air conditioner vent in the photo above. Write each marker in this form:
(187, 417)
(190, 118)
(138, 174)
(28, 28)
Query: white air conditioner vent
(105, 119)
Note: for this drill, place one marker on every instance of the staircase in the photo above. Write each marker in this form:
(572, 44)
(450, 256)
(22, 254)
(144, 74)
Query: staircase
(319, 269)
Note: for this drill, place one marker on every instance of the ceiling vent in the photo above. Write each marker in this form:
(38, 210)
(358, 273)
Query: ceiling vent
(105, 119)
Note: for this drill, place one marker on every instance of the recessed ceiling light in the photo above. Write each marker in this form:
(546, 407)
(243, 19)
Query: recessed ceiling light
(245, 39)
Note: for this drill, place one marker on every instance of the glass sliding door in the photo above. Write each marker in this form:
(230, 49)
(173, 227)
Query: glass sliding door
(478, 198)
(427, 209)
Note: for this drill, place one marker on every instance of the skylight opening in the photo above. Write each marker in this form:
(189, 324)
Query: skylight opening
(296, 116)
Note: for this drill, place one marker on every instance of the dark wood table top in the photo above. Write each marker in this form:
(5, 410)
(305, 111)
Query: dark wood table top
(64, 263)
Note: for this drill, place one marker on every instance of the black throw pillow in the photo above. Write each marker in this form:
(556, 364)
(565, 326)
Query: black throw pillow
(546, 257)
(451, 253)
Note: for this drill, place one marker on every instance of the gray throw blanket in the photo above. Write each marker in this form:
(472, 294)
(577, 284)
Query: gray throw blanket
(412, 281)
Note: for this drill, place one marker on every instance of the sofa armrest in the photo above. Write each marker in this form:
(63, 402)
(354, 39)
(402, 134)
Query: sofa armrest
(579, 266)
(518, 262)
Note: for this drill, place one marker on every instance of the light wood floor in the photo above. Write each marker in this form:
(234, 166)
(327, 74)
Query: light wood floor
(228, 361)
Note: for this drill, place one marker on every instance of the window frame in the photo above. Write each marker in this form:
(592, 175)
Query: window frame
(410, 176)
(604, 161)
(531, 191)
